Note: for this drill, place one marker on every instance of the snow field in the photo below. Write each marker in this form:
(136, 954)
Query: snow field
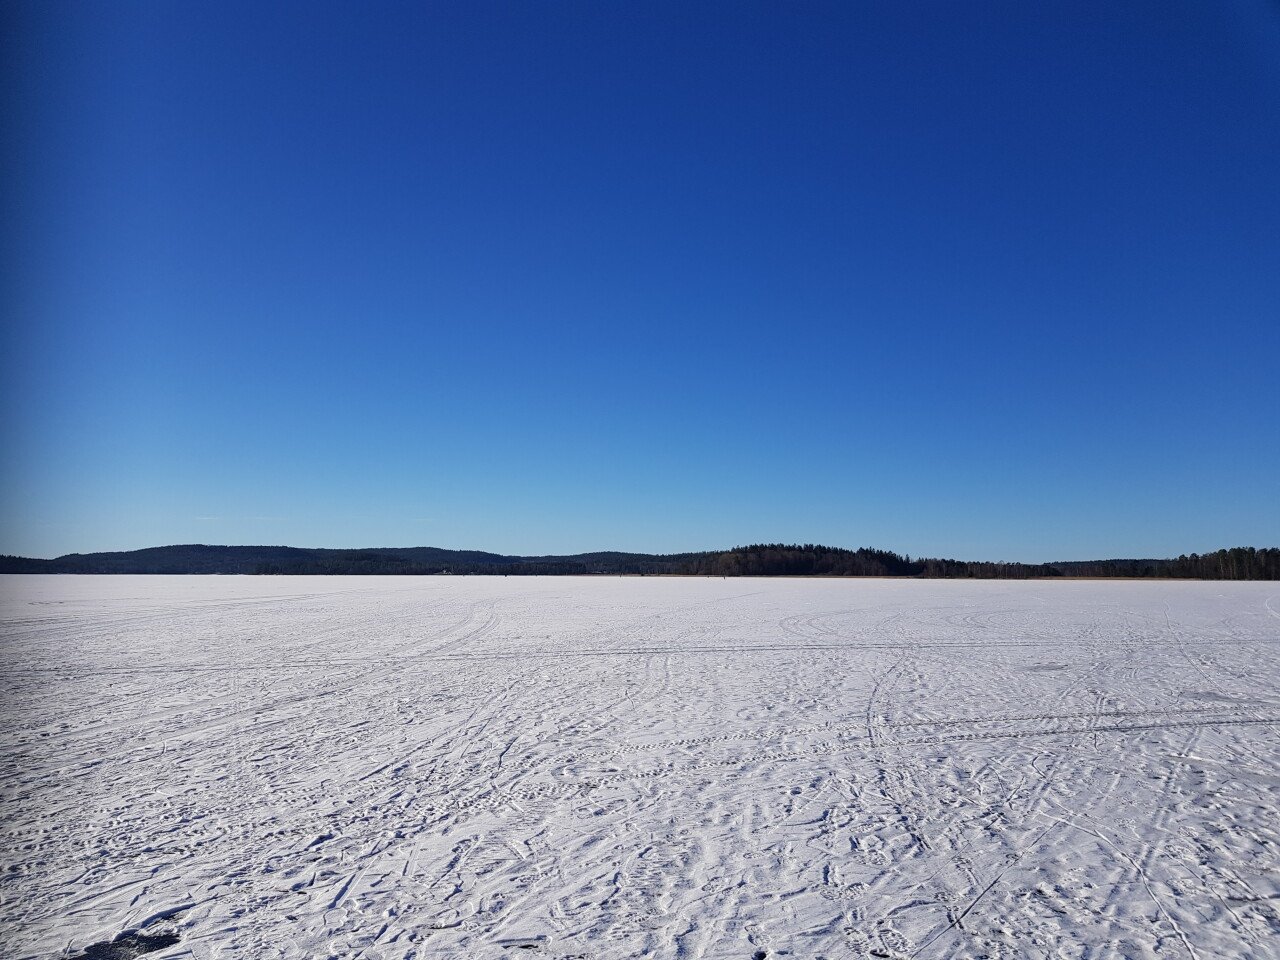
(447, 767)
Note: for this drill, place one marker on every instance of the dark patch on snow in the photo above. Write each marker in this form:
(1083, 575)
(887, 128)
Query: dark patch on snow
(1045, 667)
(156, 932)
(127, 946)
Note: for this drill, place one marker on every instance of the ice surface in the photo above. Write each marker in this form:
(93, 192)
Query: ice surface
(595, 767)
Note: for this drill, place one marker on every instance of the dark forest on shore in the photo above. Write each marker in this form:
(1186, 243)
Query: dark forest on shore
(756, 560)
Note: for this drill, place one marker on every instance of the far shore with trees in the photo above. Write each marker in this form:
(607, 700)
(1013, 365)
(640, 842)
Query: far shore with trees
(755, 560)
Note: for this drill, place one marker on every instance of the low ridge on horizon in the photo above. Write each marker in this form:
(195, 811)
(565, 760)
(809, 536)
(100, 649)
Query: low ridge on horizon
(774, 559)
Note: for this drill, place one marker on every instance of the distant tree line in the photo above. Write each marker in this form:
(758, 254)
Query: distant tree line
(813, 560)
(1237, 563)
(800, 560)
(755, 560)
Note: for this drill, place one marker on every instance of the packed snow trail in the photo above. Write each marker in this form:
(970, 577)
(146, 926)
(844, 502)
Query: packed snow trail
(446, 767)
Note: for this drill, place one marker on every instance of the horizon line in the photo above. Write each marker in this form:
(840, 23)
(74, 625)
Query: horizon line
(643, 553)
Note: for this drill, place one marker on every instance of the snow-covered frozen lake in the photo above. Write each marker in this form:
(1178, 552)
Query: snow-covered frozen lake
(448, 767)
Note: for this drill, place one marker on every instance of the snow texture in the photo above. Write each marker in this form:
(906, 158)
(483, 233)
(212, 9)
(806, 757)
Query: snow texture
(608, 768)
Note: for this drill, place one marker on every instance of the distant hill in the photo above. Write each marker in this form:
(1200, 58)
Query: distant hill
(756, 560)
(203, 558)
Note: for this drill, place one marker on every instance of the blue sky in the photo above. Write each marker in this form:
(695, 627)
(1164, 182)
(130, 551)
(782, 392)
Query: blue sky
(994, 280)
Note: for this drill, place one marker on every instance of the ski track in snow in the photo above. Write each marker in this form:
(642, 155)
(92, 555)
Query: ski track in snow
(602, 768)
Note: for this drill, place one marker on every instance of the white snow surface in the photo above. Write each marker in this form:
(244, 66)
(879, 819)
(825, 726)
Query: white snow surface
(438, 767)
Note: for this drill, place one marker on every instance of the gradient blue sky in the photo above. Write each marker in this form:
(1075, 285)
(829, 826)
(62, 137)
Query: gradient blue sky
(992, 280)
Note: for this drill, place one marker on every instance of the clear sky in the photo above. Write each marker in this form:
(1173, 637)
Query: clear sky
(993, 280)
